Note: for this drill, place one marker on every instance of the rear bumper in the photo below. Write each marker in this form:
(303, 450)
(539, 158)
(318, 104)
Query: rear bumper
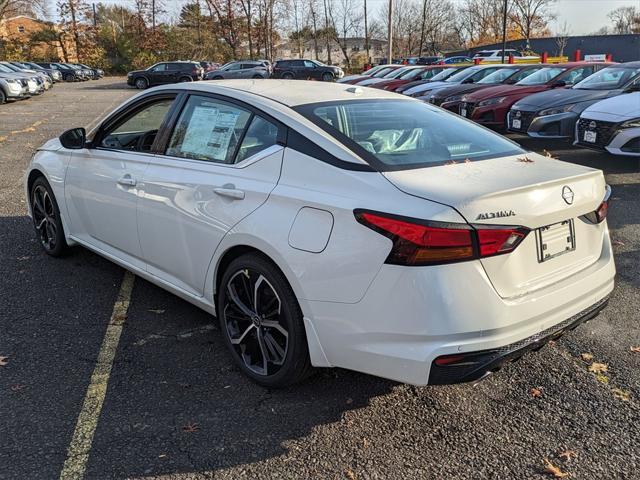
(475, 366)
(410, 316)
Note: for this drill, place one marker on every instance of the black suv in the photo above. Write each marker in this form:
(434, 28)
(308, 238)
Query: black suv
(165, 72)
(306, 70)
(68, 74)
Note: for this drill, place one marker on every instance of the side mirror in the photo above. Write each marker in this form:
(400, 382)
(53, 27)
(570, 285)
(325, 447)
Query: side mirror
(560, 83)
(633, 88)
(74, 139)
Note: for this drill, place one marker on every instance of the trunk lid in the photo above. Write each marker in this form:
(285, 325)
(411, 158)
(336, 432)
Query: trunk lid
(526, 190)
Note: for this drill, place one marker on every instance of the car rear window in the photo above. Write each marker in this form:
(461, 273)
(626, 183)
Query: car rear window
(404, 134)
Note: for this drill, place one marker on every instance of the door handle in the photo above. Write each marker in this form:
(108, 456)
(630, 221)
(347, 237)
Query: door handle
(229, 192)
(127, 180)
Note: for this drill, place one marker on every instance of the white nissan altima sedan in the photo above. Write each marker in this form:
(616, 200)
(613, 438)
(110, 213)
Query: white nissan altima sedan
(334, 226)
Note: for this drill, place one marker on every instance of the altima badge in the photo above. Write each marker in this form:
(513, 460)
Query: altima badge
(499, 214)
(567, 195)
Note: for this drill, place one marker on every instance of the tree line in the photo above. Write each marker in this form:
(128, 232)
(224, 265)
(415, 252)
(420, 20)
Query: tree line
(138, 33)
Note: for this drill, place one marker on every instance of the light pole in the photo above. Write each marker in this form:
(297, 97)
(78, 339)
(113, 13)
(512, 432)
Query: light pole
(504, 29)
(390, 31)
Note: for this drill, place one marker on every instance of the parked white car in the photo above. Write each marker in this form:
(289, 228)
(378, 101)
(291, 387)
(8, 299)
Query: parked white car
(496, 55)
(332, 225)
(612, 124)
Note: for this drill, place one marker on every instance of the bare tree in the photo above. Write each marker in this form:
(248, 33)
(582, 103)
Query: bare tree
(625, 20)
(562, 38)
(345, 19)
(531, 16)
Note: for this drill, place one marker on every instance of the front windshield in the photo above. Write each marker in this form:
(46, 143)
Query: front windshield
(463, 75)
(610, 78)
(542, 76)
(498, 76)
(444, 74)
(413, 73)
(397, 73)
(383, 72)
(404, 134)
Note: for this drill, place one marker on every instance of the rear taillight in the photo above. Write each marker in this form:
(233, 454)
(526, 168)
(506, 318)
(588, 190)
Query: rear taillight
(420, 242)
(600, 213)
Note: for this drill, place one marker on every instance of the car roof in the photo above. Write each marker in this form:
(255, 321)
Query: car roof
(287, 92)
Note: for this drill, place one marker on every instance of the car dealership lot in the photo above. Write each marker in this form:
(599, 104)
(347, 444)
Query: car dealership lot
(175, 405)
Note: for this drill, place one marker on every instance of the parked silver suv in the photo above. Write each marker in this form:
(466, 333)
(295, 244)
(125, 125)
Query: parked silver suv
(240, 69)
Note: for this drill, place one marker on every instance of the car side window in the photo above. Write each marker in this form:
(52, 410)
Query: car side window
(260, 135)
(161, 67)
(209, 130)
(309, 64)
(173, 66)
(137, 132)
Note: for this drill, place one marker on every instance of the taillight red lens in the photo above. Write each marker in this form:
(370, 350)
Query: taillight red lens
(600, 213)
(423, 243)
(493, 241)
(419, 242)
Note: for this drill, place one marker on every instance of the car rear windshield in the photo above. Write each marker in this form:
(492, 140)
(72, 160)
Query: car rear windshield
(446, 73)
(610, 78)
(542, 76)
(405, 134)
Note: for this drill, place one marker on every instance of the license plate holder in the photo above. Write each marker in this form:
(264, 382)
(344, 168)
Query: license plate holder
(555, 240)
(517, 124)
(590, 136)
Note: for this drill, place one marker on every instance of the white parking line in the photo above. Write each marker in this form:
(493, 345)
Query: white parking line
(78, 451)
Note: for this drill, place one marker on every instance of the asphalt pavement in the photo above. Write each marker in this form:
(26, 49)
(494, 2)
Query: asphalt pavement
(177, 408)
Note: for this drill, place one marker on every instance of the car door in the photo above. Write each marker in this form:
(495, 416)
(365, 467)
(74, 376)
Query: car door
(158, 74)
(102, 184)
(312, 70)
(221, 162)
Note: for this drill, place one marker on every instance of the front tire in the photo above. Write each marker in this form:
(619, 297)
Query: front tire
(3, 97)
(327, 77)
(46, 218)
(261, 322)
(141, 83)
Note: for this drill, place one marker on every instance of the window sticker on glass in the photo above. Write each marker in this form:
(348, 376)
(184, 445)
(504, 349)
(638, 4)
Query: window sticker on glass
(209, 133)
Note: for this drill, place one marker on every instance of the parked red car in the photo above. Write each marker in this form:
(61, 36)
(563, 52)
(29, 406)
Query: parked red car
(418, 73)
(490, 106)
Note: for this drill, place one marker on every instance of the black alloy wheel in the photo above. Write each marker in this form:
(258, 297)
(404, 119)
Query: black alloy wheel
(262, 322)
(46, 218)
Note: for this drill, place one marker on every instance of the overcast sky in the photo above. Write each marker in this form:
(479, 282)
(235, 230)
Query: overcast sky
(582, 16)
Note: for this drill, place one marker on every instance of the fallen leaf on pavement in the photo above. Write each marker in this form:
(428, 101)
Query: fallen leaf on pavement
(3, 361)
(568, 455)
(635, 349)
(548, 154)
(191, 427)
(602, 378)
(158, 311)
(525, 160)
(596, 367)
(551, 469)
(621, 394)
(17, 387)
(365, 442)
(536, 392)
(587, 357)
(350, 475)
(617, 243)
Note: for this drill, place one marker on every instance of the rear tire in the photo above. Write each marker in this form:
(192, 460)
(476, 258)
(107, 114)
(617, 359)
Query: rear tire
(141, 83)
(261, 322)
(46, 218)
(185, 79)
(257, 76)
(287, 76)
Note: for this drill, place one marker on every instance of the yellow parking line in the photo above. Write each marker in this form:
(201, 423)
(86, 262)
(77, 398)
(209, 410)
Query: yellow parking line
(78, 452)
